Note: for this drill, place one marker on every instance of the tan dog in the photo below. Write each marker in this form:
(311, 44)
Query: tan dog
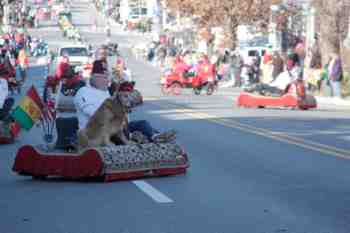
(110, 119)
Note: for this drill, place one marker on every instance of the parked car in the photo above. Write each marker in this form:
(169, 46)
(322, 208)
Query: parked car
(252, 51)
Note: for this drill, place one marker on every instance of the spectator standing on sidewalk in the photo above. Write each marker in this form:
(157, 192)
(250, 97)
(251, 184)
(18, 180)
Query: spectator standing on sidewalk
(108, 30)
(335, 74)
(266, 67)
(316, 58)
(301, 53)
(22, 62)
(237, 65)
(278, 64)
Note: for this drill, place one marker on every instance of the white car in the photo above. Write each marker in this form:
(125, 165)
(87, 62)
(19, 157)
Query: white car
(247, 52)
(78, 55)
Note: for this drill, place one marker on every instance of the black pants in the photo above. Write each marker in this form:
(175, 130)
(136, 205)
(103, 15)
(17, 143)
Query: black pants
(265, 89)
(6, 108)
(23, 74)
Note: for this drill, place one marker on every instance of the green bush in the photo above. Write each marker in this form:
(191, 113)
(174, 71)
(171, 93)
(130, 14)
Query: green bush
(346, 84)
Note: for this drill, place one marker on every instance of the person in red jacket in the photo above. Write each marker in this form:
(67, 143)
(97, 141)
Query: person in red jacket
(62, 66)
(180, 67)
(205, 70)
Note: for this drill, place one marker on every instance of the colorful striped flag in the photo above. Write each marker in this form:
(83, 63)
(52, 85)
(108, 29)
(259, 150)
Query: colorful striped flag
(30, 109)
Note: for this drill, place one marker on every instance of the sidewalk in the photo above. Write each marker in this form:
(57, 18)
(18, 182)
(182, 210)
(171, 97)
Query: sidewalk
(330, 101)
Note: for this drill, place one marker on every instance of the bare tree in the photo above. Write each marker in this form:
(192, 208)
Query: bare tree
(226, 13)
(332, 24)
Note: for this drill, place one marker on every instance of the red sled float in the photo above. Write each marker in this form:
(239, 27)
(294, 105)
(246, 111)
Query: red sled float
(295, 97)
(107, 163)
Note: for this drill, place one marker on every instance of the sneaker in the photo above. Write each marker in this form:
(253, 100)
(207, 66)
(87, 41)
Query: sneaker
(168, 136)
(138, 137)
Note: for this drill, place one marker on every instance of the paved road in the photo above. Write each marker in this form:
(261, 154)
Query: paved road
(252, 171)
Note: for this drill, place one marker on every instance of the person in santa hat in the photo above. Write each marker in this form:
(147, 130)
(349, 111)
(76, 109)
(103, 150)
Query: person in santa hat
(89, 98)
(100, 65)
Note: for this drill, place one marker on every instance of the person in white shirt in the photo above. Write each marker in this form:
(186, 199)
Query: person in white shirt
(89, 98)
(6, 102)
(280, 84)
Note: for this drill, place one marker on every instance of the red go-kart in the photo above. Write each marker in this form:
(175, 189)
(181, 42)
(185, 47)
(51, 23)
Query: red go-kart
(173, 83)
(294, 97)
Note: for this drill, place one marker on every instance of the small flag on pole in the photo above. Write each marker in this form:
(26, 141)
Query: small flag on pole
(30, 109)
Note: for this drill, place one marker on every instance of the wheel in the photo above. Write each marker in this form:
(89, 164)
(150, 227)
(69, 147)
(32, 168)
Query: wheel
(176, 88)
(210, 89)
(165, 90)
(197, 91)
(39, 177)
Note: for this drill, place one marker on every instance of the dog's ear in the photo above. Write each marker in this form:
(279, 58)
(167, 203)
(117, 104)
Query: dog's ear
(115, 86)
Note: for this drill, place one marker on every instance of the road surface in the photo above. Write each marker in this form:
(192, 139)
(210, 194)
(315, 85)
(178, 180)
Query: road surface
(252, 170)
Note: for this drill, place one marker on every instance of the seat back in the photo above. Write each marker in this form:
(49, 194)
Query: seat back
(67, 129)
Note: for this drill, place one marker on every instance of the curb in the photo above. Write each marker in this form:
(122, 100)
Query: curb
(333, 101)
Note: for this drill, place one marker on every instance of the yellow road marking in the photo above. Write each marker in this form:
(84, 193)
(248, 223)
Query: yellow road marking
(307, 144)
(150, 98)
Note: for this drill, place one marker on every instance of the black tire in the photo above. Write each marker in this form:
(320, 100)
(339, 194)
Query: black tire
(39, 177)
(210, 89)
(176, 88)
(197, 91)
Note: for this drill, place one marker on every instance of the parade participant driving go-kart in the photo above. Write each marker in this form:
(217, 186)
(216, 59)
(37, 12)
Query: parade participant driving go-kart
(62, 65)
(278, 86)
(205, 75)
(100, 65)
(8, 72)
(90, 98)
(66, 79)
(181, 68)
(121, 71)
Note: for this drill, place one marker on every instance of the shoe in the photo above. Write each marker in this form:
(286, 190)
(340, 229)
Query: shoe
(138, 138)
(168, 136)
(249, 89)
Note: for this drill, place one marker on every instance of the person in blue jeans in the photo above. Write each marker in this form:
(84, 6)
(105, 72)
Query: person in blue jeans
(89, 98)
(152, 134)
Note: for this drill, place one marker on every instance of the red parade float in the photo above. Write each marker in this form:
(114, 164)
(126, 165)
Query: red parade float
(105, 163)
(295, 97)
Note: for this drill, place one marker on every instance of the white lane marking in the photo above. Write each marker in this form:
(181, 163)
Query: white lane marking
(156, 195)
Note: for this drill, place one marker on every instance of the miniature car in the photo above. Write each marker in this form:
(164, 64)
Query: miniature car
(174, 83)
(295, 97)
